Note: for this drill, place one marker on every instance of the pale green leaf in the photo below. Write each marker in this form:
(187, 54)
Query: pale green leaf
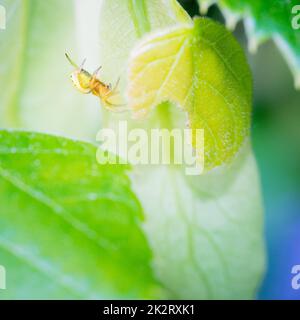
(201, 68)
(206, 232)
(69, 228)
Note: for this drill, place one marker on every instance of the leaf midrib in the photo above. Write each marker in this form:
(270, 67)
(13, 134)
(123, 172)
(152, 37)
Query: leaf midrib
(138, 12)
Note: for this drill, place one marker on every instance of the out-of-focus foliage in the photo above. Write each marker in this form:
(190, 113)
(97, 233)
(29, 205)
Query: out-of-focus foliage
(70, 228)
(265, 19)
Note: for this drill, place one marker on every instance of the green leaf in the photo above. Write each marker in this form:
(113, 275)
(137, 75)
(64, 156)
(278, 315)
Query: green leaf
(34, 74)
(206, 232)
(201, 68)
(69, 228)
(263, 20)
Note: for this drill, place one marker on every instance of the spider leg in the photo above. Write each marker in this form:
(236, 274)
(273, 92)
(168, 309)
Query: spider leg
(82, 64)
(112, 106)
(96, 72)
(117, 108)
(71, 61)
(116, 85)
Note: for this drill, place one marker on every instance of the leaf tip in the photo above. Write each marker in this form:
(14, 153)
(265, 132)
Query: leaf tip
(297, 81)
(231, 19)
(255, 38)
(205, 5)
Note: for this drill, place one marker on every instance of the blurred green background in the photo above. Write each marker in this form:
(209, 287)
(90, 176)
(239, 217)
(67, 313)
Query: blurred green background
(276, 141)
